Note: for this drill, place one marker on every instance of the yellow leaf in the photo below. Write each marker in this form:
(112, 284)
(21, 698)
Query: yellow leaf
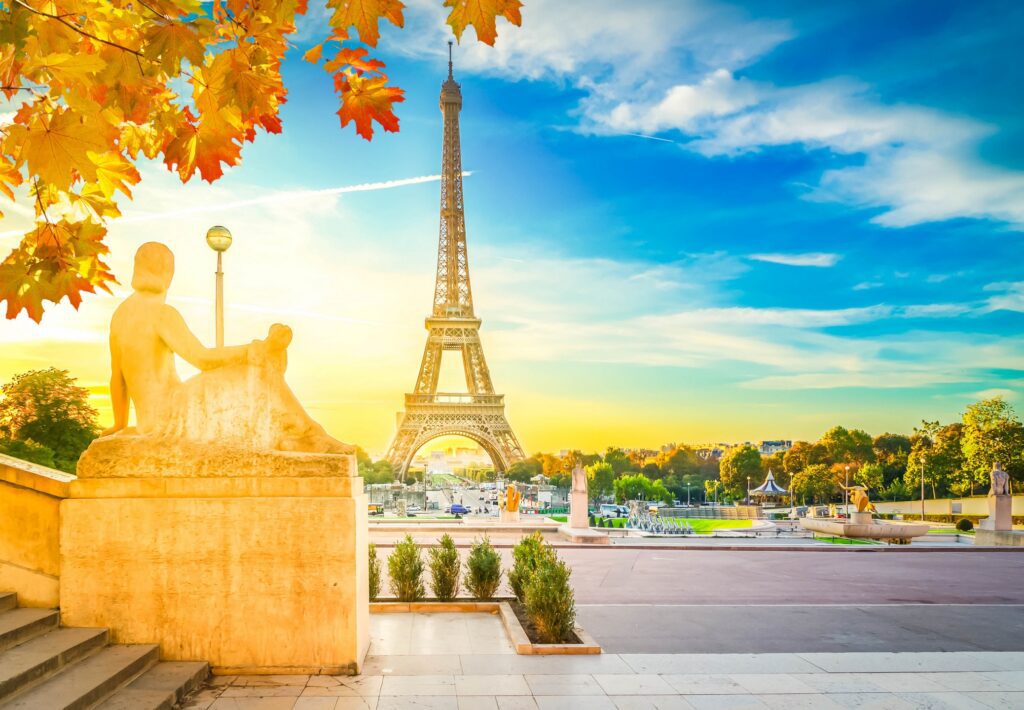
(55, 144)
(113, 172)
(65, 68)
(364, 16)
(482, 14)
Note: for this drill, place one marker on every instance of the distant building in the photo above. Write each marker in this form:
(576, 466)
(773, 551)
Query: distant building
(767, 448)
(709, 454)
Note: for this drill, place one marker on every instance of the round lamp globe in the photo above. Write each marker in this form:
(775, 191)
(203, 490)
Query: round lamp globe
(219, 238)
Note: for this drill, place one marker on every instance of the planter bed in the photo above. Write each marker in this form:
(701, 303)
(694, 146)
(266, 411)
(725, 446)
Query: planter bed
(515, 623)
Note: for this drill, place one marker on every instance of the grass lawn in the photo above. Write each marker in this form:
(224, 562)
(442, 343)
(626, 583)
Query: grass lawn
(701, 526)
(442, 478)
(948, 531)
(844, 540)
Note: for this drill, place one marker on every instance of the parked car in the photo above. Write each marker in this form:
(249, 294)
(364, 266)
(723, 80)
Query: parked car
(608, 510)
(412, 510)
(375, 509)
(457, 509)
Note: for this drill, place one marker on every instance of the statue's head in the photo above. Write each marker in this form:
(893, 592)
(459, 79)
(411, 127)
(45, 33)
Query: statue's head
(154, 268)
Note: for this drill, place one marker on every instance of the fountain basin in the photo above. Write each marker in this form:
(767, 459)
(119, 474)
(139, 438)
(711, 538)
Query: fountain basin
(861, 525)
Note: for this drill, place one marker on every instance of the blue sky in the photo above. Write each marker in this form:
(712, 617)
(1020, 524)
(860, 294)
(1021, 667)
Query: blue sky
(688, 221)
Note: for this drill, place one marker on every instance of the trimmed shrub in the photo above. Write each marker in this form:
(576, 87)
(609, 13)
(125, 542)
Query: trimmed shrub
(405, 567)
(964, 525)
(445, 567)
(550, 603)
(374, 573)
(525, 557)
(483, 570)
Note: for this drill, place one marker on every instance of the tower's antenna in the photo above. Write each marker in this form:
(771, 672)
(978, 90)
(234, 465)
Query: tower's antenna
(450, 59)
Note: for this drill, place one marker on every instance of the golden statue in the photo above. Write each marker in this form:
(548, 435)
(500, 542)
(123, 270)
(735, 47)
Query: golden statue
(859, 498)
(512, 498)
(239, 398)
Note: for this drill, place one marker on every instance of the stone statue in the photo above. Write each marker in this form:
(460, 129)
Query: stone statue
(579, 479)
(239, 398)
(1000, 481)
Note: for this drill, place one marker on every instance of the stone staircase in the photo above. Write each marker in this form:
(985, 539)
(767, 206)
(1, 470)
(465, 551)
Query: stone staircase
(44, 666)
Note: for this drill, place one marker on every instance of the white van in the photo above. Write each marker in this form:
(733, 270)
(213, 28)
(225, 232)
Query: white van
(608, 510)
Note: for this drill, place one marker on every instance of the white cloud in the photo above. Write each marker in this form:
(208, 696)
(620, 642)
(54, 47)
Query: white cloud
(1010, 298)
(655, 69)
(868, 285)
(818, 259)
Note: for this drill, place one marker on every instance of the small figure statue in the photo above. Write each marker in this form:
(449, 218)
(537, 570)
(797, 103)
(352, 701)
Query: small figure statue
(239, 397)
(1000, 481)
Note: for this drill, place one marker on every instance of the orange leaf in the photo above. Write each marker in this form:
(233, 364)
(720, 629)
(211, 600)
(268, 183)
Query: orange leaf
(215, 140)
(364, 16)
(482, 14)
(312, 54)
(355, 58)
(365, 100)
(170, 42)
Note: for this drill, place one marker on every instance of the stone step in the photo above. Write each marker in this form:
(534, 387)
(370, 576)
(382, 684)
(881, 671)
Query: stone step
(89, 681)
(32, 661)
(162, 687)
(19, 625)
(8, 600)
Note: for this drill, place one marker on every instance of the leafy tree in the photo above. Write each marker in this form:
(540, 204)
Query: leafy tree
(847, 445)
(617, 459)
(992, 434)
(801, 455)
(737, 465)
(710, 489)
(187, 83)
(891, 452)
(871, 476)
(897, 490)
(937, 450)
(640, 487)
(816, 482)
(47, 408)
(28, 451)
(600, 480)
(524, 471)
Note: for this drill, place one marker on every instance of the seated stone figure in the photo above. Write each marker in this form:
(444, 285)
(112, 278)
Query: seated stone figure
(239, 399)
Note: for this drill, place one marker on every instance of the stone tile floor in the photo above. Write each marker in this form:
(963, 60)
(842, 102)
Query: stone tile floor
(464, 662)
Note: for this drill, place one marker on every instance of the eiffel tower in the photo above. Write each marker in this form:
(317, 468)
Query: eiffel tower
(478, 414)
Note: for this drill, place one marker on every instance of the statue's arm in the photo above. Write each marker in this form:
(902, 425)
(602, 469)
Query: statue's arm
(182, 341)
(118, 391)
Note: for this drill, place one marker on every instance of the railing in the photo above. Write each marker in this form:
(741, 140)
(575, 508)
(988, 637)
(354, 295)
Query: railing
(455, 398)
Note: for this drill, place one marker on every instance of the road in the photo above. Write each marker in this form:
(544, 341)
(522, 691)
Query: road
(719, 601)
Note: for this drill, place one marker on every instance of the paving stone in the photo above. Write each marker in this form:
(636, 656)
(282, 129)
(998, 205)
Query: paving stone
(651, 702)
(725, 702)
(491, 685)
(571, 684)
(418, 685)
(639, 684)
(569, 702)
(449, 702)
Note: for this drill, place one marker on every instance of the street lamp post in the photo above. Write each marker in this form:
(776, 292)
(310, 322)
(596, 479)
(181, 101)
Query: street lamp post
(922, 487)
(687, 495)
(219, 239)
(846, 492)
(748, 490)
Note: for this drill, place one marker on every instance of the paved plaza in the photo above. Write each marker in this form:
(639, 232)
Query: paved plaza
(463, 662)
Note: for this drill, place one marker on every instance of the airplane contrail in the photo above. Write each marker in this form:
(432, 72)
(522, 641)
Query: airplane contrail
(286, 195)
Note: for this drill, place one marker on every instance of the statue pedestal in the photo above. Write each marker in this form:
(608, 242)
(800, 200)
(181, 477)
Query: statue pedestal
(861, 518)
(1000, 513)
(579, 517)
(253, 574)
(509, 516)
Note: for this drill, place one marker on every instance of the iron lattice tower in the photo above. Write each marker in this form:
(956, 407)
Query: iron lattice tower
(479, 413)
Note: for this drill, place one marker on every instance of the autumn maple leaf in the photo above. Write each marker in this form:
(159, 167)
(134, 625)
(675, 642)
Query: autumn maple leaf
(368, 99)
(482, 14)
(364, 16)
